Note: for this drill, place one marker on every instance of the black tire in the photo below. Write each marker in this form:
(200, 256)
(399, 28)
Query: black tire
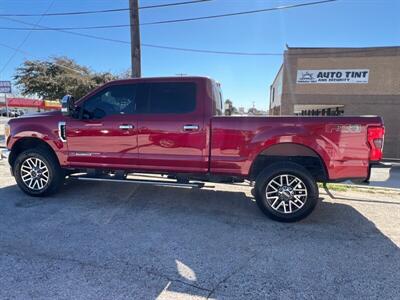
(55, 173)
(303, 195)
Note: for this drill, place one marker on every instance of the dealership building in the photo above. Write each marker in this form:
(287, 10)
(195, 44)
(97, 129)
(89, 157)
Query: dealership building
(341, 81)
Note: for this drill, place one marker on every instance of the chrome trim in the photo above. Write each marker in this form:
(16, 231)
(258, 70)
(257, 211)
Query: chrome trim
(190, 127)
(60, 130)
(137, 181)
(125, 126)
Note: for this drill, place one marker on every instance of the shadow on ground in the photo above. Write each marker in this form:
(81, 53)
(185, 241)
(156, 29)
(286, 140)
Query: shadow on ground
(135, 241)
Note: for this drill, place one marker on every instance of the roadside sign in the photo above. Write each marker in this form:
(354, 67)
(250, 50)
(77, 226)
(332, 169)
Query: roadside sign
(5, 87)
(332, 76)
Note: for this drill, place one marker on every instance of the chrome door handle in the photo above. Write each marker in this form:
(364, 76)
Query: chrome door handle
(93, 124)
(125, 126)
(190, 127)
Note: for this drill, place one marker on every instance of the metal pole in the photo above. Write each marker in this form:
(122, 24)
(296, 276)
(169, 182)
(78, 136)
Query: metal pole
(135, 38)
(5, 99)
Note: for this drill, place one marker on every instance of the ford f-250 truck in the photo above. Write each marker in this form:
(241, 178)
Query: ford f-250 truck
(176, 127)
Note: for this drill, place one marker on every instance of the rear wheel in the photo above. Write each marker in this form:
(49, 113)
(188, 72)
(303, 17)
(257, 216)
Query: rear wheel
(38, 172)
(286, 192)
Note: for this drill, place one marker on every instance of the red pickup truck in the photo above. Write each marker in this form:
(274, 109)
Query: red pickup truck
(175, 126)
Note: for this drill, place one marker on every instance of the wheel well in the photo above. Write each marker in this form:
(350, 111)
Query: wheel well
(28, 143)
(295, 153)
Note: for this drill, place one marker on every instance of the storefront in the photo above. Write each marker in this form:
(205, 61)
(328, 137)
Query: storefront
(341, 81)
(27, 105)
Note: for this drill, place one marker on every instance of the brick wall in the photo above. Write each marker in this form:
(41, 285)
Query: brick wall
(380, 96)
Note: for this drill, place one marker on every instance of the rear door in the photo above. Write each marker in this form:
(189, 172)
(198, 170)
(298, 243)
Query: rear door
(171, 131)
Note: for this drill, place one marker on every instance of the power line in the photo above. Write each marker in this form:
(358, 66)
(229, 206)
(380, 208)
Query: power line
(173, 4)
(156, 46)
(151, 45)
(25, 39)
(160, 46)
(238, 13)
(30, 54)
(147, 45)
(15, 49)
(63, 28)
(165, 21)
(66, 30)
(86, 12)
(212, 51)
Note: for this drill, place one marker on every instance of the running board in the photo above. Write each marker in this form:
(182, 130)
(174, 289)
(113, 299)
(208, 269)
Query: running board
(139, 181)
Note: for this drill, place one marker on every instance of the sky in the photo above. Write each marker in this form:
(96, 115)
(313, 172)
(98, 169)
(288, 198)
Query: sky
(244, 79)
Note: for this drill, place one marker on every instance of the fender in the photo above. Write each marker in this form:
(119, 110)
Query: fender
(262, 141)
(45, 133)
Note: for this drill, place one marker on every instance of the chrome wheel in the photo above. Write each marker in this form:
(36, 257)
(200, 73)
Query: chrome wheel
(286, 193)
(34, 173)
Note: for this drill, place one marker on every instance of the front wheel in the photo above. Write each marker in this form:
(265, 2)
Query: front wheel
(38, 172)
(286, 192)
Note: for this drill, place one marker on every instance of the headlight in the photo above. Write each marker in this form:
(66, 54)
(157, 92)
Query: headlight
(7, 131)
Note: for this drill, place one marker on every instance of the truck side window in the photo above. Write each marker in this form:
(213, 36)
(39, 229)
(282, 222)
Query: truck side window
(114, 100)
(172, 97)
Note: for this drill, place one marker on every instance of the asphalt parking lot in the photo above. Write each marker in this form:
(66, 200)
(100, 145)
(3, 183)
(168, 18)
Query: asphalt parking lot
(122, 241)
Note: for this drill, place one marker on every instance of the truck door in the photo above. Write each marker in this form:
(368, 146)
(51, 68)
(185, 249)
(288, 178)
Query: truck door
(171, 131)
(105, 134)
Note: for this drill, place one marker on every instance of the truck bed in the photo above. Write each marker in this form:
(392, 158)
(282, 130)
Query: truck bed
(341, 142)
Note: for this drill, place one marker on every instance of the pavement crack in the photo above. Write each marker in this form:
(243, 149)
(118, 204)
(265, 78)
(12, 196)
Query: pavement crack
(46, 256)
(191, 285)
(233, 273)
(12, 252)
(158, 274)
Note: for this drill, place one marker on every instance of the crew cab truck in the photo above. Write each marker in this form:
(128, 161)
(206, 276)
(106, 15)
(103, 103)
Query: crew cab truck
(176, 126)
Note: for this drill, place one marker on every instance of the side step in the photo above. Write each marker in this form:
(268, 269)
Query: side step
(140, 181)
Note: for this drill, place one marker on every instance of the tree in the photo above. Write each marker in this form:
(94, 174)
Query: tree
(54, 78)
(229, 108)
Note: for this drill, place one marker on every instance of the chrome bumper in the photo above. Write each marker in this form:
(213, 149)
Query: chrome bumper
(5, 153)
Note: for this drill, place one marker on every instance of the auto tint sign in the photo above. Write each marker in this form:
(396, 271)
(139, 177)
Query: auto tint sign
(332, 76)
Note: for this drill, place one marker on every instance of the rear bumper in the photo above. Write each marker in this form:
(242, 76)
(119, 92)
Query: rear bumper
(363, 178)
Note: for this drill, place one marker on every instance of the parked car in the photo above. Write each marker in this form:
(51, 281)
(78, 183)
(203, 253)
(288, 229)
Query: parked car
(175, 126)
(12, 113)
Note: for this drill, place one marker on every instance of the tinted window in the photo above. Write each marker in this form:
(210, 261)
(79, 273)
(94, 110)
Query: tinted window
(142, 98)
(172, 97)
(114, 100)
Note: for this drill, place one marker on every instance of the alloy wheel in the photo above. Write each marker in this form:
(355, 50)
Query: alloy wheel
(286, 193)
(34, 173)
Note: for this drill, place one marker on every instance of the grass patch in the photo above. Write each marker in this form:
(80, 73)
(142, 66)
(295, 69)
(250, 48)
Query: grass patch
(335, 187)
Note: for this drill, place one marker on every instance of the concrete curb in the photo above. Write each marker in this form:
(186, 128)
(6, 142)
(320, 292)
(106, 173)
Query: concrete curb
(366, 187)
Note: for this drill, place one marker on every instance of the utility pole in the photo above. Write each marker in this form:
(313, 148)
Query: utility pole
(5, 99)
(135, 38)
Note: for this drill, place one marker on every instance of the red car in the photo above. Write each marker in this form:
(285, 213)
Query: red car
(175, 126)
